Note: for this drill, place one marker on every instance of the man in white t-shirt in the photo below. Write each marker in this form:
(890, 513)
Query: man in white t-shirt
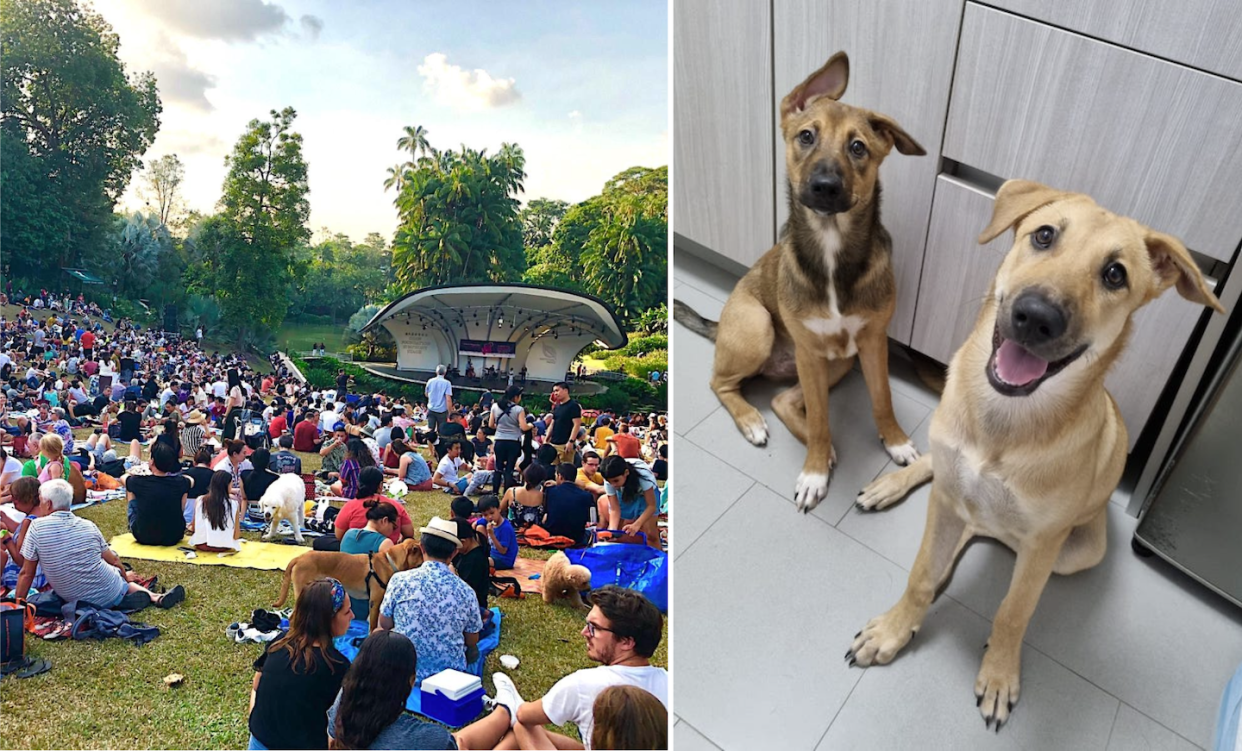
(622, 631)
(220, 389)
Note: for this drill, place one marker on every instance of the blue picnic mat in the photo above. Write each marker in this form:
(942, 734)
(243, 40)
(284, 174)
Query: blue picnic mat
(358, 630)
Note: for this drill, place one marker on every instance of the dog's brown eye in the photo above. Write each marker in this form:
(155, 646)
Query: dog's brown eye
(858, 148)
(1114, 276)
(806, 138)
(1042, 238)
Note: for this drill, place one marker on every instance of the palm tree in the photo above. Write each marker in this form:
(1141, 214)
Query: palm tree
(396, 178)
(514, 162)
(414, 140)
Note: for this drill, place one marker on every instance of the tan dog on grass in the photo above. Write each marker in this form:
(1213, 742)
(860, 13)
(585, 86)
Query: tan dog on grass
(352, 570)
(564, 580)
(1027, 446)
(825, 292)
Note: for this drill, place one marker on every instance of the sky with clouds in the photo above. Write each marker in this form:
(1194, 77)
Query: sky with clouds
(582, 87)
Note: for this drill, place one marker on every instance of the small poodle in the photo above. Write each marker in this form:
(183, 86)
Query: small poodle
(562, 579)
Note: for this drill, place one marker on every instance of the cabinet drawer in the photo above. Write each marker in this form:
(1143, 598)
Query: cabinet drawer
(1146, 138)
(1205, 34)
(957, 273)
(723, 189)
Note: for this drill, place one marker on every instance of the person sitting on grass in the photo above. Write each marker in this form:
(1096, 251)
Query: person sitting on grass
(525, 505)
(298, 676)
(471, 562)
(49, 463)
(500, 533)
(354, 514)
(375, 537)
(78, 562)
(255, 482)
(24, 492)
(447, 635)
(357, 456)
(235, 463)
(659, 467)
(370, 712)
(333, 453)
(284, 461)
(449, 472)
(306, 432)
(631, 496)
(568, 507)
(216, 527)
(412, 468)
(200, 475)
(157, 501)
(194, 435)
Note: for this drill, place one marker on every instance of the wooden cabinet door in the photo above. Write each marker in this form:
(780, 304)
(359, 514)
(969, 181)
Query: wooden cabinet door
(723, 196)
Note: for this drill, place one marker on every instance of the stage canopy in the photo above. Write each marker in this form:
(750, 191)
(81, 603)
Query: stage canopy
(501, 325)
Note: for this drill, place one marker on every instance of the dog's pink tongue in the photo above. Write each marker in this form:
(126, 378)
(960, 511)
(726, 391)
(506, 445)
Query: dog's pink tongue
(1016, 366)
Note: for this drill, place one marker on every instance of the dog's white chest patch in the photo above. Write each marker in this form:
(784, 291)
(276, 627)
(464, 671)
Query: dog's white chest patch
(835, 326)
(983, 497)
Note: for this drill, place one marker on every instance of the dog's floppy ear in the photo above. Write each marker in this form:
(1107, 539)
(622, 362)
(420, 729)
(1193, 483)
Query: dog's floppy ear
(889, 129)
(829, 81)
(1014, 200)
(1174, 266)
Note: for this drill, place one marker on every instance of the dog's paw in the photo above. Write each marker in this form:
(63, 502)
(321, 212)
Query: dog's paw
(882, 638)
(756, 432)
(903, 454)
(996, 688)
(812, 487)
(882, 493)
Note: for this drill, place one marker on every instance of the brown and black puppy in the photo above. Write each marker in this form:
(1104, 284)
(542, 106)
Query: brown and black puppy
(825, 293)
(1027, 446)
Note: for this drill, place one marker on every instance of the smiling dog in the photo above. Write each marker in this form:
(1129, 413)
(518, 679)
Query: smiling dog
(825, 293)
(1026, 445)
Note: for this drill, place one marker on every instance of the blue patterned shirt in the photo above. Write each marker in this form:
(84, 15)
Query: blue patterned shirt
(434, 608)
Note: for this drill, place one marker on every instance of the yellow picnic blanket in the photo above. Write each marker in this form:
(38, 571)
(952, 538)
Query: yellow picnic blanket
(268, 556)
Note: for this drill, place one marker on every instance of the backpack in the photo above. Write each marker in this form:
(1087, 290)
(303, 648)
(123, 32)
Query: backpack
(13, 619)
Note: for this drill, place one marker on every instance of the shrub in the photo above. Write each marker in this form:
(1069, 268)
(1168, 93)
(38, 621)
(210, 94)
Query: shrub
(645, 344)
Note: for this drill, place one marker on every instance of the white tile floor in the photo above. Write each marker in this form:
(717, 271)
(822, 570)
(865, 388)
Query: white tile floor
(1129, 655)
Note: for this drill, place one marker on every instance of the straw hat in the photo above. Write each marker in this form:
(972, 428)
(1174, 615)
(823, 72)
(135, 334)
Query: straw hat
(441, 528)
(195, 418)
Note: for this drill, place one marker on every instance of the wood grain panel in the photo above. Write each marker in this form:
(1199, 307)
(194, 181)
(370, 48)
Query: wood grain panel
(958, 273)
(1147, 138)
(1205, 34)
(901, 64)
(722, 146)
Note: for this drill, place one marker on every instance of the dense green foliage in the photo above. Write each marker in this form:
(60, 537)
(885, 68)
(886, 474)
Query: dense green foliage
(458, 217)
(336, 277)
(73, 127)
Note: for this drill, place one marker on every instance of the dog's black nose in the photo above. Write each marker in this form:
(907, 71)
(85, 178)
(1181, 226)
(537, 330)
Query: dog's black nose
(1036, 320)
(826, 187)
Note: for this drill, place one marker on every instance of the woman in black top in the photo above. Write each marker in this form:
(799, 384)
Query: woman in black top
(171, 435)
(471, 563)
(298, 676)
(130, 422)
(201, 472)
(255, 482)
(157, 503)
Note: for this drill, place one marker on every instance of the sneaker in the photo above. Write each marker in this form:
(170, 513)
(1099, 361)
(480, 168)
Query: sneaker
(506, 694)
(172, 597)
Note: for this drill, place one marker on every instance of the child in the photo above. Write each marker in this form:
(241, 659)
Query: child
(499, 531)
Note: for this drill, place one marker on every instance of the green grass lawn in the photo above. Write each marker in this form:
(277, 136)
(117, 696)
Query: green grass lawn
(111, 695)
(297, 337)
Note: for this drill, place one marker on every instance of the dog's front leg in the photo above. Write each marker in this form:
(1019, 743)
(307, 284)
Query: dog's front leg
(873, 357)
(997, 685)
(943, 537)
(812, 486)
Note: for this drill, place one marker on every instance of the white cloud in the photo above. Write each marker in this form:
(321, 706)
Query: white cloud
(177, 80)
(575, 118)
(458, 88)
(312, 25)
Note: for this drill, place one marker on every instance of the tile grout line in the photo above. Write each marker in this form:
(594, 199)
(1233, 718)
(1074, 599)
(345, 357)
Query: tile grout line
(1113, 728)
(700, 732)
(840, 708)
(702, 420)
(709, 526)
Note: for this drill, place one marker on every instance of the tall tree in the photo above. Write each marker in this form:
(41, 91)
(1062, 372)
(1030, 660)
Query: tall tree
(458, 218)
(264, 201)
(163, 181)
(73, 125)
(539, 219)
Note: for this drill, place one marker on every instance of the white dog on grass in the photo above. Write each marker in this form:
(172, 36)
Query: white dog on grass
(285, 499)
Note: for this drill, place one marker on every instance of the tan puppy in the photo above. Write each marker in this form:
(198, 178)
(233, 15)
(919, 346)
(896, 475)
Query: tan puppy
(1026, 445)
(826, 291)
(564, 580)
(352, 571)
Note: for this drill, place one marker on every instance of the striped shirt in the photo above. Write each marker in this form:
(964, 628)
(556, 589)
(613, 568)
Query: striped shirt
(191, 439)
(69, 550)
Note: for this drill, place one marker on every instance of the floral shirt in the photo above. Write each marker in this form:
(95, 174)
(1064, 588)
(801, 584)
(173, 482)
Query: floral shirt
(433, 607)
